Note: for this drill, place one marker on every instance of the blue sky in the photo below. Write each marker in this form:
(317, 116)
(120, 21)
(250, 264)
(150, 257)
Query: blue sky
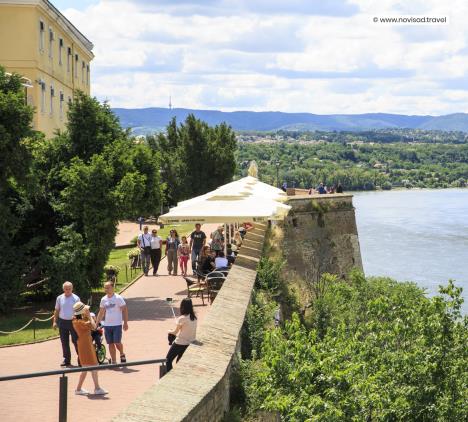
(313, 56)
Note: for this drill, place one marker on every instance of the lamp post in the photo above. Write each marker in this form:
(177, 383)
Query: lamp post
(161, 173)
(277, 163)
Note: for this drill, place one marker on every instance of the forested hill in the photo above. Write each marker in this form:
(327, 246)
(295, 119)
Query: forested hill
(147, 120)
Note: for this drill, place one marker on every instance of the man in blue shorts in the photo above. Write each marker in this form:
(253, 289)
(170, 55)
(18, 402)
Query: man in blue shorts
(113, 310)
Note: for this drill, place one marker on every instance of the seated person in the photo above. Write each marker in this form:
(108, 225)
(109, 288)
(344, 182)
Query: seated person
(221, 261)
(237, 241)
(207, 262)
(242, 232)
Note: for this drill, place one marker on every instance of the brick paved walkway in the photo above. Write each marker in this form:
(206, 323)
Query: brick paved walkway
(150, 317)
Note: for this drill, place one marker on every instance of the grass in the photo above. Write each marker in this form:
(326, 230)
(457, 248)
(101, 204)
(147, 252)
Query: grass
(43, 329)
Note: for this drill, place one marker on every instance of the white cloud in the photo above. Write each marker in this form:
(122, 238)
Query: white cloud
(260, 55)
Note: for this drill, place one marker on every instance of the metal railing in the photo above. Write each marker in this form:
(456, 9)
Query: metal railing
(63, 385)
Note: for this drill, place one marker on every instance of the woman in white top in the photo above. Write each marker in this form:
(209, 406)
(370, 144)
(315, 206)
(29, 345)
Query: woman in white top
(185, 332)
(156, 245)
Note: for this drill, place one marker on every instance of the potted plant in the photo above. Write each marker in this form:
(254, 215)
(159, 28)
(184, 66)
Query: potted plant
(134, 257)
(111, 270)
(133, 253)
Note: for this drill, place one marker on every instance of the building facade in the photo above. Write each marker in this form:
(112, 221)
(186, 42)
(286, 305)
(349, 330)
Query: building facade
(39, 43)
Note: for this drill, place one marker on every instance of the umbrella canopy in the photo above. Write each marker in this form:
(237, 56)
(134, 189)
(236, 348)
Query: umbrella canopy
(246, 199)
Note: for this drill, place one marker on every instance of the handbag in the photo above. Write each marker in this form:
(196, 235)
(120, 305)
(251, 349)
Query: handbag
(170, 338)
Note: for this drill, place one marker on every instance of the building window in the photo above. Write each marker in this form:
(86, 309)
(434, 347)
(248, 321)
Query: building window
(52, 95)
(43, 94)
(62, 98)
(60, 51)
(76, 65)
(87, 74)
(69, 55)
(41, 36)
(51, 42)
(83, 66)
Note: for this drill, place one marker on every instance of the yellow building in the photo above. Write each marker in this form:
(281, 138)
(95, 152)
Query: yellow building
(39, 43)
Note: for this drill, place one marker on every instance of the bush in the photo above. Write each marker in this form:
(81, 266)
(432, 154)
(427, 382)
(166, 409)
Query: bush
(385, 352)
(268, 275)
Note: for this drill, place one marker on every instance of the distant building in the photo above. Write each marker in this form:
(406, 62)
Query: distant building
(40, 44)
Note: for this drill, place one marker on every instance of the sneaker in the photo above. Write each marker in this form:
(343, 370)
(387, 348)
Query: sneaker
(123, 359)
(81, 392)
(100, 392)
(65, 363)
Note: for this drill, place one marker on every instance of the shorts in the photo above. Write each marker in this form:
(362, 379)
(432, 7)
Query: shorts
(113, 334)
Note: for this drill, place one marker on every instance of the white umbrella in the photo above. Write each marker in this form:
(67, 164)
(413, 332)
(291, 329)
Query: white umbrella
(222, 209)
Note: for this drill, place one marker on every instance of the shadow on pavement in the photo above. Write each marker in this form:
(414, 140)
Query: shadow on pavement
(149, 308)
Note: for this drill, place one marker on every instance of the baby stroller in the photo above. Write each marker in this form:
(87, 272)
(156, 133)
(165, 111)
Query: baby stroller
(101, 352)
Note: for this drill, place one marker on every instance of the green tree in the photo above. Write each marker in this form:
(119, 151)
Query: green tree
(196, 157)
(87, 179)
(15, 129)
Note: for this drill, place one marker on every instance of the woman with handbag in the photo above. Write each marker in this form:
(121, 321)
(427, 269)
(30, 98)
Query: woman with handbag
(185, 332)
(172, 245)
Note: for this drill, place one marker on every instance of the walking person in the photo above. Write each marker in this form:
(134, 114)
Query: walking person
(185, 332)
(155, 253)
(183, 253)
(113, 310)
(83, 323)
(172, 246)
(144, 243)
(62, 319)
(197, 242)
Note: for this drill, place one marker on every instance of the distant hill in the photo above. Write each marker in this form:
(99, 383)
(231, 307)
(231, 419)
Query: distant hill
(147, 120)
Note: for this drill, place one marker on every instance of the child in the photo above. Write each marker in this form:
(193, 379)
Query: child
(183, 252)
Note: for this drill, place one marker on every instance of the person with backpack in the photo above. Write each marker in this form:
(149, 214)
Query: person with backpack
(144, 243)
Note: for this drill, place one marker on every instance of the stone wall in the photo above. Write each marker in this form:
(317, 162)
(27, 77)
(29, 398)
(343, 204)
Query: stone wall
(197, 389)
(320, 235)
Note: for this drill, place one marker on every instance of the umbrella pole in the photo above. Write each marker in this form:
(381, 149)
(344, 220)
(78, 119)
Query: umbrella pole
(225, 240)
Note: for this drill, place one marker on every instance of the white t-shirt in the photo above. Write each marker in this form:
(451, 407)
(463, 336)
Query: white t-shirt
(145, 240)
(188, 330)
(113, 306)
(156, 242)
(65, 304)
(221, 262)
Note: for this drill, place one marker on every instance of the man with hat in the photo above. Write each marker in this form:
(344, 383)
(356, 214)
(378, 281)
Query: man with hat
(63, 316)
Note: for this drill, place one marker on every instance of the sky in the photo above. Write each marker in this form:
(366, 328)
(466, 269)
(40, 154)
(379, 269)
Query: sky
(316, 56)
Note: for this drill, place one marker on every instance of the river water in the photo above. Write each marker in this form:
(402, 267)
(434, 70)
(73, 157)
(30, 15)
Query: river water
(415, 235)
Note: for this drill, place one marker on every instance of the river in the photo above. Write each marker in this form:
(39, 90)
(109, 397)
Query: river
(415, 235)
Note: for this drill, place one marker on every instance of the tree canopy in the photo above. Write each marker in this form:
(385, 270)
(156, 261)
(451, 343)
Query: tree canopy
(196, 157)
(369, 350)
